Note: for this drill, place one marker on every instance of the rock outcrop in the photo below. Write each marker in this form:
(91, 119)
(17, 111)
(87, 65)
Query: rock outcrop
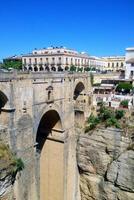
(106, 165)
(7, 172)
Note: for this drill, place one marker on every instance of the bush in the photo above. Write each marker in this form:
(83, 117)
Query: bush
(119, 114)
(124, 103)
(92, 122)
(93, 119)
(105, 113)
(112, 122)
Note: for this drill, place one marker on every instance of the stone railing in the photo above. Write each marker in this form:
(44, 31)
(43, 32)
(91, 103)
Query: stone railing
(7, 76)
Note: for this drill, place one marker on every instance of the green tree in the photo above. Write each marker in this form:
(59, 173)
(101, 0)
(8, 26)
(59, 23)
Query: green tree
(80, 69)
(73, 68)
(126, 87)
(87, 69)
(15, 64)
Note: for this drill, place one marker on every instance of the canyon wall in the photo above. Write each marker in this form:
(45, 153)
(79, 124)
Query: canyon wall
(106, 165)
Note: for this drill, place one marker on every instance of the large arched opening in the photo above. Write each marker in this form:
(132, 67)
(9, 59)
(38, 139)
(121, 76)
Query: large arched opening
(51, 151)
(3, 114)
(79, 104)
(3, 100)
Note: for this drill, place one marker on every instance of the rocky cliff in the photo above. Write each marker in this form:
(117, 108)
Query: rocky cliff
(106, 165)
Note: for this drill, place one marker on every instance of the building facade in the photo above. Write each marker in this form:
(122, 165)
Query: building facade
(129, 69)
(61, 59)
(54, 59)
(114, 63)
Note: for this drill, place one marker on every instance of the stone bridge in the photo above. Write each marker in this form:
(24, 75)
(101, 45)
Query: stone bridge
(39, 112)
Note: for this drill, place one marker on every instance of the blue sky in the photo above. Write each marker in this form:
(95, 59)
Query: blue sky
(99, 27)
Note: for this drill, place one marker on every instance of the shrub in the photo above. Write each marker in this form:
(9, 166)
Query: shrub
(105, 113)
(92, 122)
(112, 122)
(124, 103)
(119, 114)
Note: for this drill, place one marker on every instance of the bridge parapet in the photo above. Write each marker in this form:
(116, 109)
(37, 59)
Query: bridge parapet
(8, 76)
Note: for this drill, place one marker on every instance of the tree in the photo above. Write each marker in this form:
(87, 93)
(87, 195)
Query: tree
(125, 87)
(80, 69)
(73, 68)
(87, 69)
(9, 63)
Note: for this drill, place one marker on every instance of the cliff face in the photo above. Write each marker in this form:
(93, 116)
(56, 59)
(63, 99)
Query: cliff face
(7, 169)
(106, 165)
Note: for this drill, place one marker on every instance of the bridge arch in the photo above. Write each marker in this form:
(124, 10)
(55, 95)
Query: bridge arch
(49, 123)
(79, 88)
(3, 99)
(79, 103)
(51, 151)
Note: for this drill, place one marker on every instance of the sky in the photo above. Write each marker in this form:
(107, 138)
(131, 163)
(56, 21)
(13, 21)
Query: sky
(99, 27)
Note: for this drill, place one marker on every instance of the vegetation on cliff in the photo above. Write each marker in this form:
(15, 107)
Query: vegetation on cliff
(9, 162)
(107, 117)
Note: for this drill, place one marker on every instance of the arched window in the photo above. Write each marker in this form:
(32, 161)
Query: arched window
(30, 69)
(35, 68)
(41, 68)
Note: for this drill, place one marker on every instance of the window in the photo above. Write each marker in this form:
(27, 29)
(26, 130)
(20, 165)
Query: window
(112, 64)
(30, 60)
(24, 60)
(41, 60)
(132, 64)
(117, 64)
(121, 64)
(35, 60)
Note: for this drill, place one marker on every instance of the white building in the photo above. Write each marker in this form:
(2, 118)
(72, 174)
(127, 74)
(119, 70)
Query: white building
(61, 59)
(129, 70)
(115, 63)
(54, 59)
